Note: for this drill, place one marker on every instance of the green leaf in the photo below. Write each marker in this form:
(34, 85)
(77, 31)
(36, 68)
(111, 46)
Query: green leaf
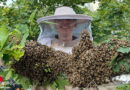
(17, 53)
(124, 50)
(61, 82)
(15, 32)
(53, 85)
(127, 65)
(118, 66)
(113, 61)
(9, 45)
(47, 22)
(111, 47)
(123, 87)
(9, 75)
(26, 34)
(24, 82)
(1, 54)
(16, 77)
(3, 36)
(32, 15)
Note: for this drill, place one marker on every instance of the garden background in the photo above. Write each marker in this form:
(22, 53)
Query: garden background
(110, 20)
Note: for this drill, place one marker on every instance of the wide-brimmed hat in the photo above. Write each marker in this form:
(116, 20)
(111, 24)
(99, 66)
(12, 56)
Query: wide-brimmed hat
(65, 13)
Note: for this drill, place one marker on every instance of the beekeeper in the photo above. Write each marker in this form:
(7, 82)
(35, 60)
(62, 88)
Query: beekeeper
(62, 30)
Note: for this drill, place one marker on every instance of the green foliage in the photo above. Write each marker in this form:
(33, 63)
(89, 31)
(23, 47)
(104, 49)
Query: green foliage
(111, 19)
(60, 82)
(116, 64)
(123, 87)
(113, 61)
(28, 11)
(120, 63)
(124, 50)
(9, 73)
(54, 3)
(11, 48)
(3, 36)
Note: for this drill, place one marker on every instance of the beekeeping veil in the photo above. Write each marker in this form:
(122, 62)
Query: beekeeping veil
(47, 24)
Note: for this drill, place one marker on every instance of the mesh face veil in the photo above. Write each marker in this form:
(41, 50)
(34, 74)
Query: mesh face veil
(63, 21)
(49, 31)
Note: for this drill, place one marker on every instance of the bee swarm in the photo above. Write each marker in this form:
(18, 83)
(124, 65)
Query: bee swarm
(40, 63)
(88, 66)
(92, 67)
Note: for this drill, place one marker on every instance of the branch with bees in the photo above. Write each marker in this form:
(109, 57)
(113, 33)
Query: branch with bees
(88, 62)
(40, 63)
(99, 63)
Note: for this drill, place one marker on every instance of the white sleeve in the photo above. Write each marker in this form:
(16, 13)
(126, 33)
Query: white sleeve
(91, 37)
(45, 41)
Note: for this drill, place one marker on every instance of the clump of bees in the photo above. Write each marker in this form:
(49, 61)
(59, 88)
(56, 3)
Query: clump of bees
(87, 66)
(41, 63)
(92, 67)
(33, 64)
(84, 45)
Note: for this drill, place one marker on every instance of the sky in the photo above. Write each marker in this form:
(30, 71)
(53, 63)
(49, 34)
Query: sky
(8, 2)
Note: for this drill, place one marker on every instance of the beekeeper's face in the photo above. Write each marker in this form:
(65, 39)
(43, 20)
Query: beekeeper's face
(65, 25)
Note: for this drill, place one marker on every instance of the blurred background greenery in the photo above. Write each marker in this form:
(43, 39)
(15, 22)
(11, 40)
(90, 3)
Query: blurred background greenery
(110, 18)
